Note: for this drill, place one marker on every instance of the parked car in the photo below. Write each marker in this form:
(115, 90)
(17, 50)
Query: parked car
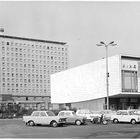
(108, 113)
(125, 116)
(88, 114)
(44, 118)
(72, 118)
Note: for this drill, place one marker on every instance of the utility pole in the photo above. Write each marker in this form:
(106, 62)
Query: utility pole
(107, 73)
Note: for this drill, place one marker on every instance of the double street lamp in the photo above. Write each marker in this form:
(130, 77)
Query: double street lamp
(107, 73)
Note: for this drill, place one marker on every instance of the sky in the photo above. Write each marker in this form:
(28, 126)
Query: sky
(81, 24)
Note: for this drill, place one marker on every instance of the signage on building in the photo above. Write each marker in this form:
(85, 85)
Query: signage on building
(129, 65)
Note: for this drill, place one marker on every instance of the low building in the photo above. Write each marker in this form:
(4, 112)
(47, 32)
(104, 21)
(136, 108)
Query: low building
(85, 86)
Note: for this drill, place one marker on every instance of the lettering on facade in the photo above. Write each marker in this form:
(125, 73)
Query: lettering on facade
(129, 65)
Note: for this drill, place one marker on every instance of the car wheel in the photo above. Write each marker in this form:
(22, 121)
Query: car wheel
(31, 123)
(78, 122)
(115, 121)
(54, 124)
(133, 121)
(105, 122)
(27, 123)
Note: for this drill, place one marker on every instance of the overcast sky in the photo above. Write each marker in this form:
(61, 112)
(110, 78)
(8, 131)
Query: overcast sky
(81, 24)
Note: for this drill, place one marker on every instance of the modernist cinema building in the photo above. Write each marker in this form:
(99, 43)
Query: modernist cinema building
(25, 68)
(85, 86)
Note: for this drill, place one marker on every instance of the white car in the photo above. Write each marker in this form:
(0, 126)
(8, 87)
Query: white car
(71, 117)
(88, 114)
(44, 118)
(125, 116)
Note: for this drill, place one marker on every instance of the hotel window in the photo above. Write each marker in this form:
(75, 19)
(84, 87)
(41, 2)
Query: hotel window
(3, 84)
(3, 42)
(12, 49)
(16, 49)
(20, 49)
(3, 79)
(129, 81)
(8, 84)
(3, 58)
(7, 48)
(12, 79)
(8, 54)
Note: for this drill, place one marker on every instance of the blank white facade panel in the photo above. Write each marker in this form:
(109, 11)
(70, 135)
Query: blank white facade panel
(86, 82)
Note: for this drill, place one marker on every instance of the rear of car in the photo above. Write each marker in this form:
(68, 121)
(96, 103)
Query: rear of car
(88, 114)
(71, 117)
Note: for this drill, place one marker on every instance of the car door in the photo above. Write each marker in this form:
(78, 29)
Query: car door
(43, 118)
(124, 117)
(117, 116)
(50, 116)
(36, 117)
(70, 117)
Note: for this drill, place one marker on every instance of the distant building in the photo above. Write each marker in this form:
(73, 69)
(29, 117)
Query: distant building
(85, 86)
(25, 68)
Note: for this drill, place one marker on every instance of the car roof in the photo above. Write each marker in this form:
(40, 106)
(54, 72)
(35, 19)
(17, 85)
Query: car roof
(67, 111)
(82, 109)
(41, 111)
(125, 111)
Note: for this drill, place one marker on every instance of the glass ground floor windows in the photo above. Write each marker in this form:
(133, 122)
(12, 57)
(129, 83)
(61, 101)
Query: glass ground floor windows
(129, 81)
(124, 103)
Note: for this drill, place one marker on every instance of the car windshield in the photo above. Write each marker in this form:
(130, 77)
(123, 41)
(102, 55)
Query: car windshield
(136, 112)
(131, 113)
(50, 113)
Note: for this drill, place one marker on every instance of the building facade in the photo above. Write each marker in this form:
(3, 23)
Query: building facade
(25, 68)
(85, 86)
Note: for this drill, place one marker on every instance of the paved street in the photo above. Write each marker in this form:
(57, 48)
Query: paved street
(17, 129)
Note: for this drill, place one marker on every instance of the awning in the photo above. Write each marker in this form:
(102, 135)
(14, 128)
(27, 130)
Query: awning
(6, 102)
(29, 102)
(125, 95)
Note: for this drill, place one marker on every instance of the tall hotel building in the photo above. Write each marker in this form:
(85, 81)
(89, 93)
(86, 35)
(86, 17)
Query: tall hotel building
(25, 68)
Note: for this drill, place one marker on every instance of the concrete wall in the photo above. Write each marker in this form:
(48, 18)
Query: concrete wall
(97, 104)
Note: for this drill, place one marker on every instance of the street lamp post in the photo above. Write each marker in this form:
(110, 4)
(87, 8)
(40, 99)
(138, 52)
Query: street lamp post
(107, 73)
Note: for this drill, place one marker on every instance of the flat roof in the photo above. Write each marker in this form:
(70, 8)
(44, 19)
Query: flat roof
(31, 39)
(128, 56)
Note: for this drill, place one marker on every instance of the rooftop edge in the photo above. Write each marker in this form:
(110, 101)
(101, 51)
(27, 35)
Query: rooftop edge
(30, 39)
